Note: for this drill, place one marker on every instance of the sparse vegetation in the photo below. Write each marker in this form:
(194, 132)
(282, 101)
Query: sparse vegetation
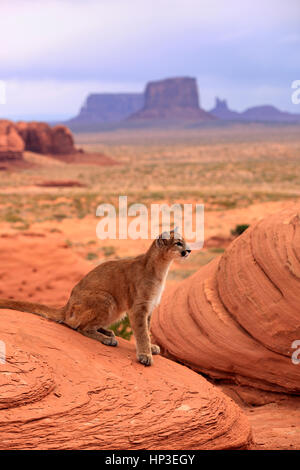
(217, 249)
(122, 328)
(108, 250)
(91, 256)
(239, 229)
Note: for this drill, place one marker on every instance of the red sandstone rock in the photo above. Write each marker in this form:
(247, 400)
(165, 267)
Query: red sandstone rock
(57, 142)
(41, 138)
(62, 140)
(237, 317)
(11, 144)
(66, 391)
(70, 392)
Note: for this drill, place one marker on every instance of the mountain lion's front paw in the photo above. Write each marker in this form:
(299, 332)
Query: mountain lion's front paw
(155, 349)
(110, 341)
(145, 359)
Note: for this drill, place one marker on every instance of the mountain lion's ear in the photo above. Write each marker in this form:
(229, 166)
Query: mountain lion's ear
(159, 242)
(174, 233)
(165, 235)
(162, 239)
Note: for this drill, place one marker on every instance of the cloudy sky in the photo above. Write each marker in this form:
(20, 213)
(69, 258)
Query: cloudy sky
(54, 52)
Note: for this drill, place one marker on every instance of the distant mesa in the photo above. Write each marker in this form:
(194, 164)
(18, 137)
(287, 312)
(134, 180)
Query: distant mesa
(269, 113)
(173, 99)
(221, 111)
(265, 113)
(165, 101)
(107, 108)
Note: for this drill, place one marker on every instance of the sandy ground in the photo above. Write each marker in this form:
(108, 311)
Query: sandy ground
(276, 425)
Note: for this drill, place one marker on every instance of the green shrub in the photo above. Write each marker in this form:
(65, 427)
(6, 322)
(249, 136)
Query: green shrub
(239, 229)
(90, 256)
(60, 217)
(13, 218)
(108, 250)
(217, 249)
(122, 328)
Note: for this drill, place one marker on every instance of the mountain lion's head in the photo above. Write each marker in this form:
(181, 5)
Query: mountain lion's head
(173, 244)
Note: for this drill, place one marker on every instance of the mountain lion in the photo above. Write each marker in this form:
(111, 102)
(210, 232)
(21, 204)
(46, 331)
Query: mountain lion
(105, 294)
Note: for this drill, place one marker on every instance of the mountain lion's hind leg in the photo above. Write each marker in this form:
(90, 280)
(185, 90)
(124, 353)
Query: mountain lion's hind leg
(99, 310)
(106, 332)
(104, 339)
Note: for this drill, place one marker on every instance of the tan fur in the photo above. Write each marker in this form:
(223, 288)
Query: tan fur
(105, 294)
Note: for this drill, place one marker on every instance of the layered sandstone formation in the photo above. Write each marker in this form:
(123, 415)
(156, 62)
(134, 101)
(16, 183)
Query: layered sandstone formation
(173, 99)
(66, 391)
(57, 142)
(39, 137)
(11, 144)
(236, 319)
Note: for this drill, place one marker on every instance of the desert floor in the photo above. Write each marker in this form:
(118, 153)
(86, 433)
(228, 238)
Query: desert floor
(240, 173)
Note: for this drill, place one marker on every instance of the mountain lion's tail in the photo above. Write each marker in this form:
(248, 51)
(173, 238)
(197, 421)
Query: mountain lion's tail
(55, 314)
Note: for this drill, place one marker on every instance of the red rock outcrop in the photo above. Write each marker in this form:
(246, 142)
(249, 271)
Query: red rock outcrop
(62, 140)
(57, 142)
(66, 391)
(41, 138)
(11, 144)
(237, 317)
(173, 99)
